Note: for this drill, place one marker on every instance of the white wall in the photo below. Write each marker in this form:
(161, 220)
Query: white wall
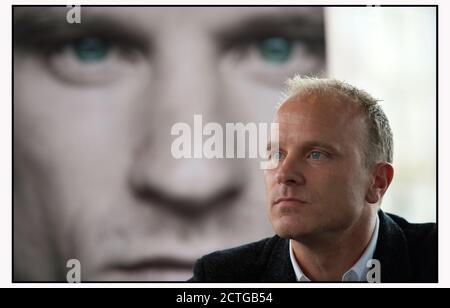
(391, 53)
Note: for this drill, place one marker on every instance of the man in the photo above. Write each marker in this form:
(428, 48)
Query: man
(94, 103)
(332, 168)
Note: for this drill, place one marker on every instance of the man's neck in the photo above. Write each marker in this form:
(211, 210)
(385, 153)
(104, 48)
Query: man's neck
(327, 258)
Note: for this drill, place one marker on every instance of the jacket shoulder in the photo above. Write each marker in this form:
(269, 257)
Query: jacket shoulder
(421, 240)
(244, 263)
(418, 235)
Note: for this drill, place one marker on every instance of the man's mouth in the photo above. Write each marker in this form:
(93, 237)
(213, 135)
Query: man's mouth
(290, 200)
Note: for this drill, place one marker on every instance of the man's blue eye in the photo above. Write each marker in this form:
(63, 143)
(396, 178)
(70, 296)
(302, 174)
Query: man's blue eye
(91, 50)
(276, 155)
(276, 49)
(316, 155)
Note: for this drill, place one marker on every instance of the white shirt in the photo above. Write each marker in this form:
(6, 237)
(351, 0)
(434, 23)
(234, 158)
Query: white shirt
(358, 271)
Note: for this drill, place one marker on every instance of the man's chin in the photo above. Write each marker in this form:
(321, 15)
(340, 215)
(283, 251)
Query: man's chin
(290, 228)
(291, 232)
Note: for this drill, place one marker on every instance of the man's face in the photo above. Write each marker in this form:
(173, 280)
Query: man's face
(320, 182)
(94, 104)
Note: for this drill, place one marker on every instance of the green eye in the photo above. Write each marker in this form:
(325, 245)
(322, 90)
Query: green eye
(316, 155)
(91, 50)
(276, 49)
(276, 155)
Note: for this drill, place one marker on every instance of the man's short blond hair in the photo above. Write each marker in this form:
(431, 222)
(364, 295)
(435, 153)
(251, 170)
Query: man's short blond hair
(380, 145)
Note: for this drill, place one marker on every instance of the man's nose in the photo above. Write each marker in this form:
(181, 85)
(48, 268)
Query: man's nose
(189, 187)
(187, 83)
(290, 172)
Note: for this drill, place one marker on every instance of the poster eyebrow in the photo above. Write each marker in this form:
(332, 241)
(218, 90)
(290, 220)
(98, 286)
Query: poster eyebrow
(35, 25)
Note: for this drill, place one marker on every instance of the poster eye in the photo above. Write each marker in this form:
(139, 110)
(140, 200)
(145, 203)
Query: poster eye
(91, 49)
(275, 49)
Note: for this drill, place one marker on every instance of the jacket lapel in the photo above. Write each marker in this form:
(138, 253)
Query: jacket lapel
(279, 267)
(392, 251)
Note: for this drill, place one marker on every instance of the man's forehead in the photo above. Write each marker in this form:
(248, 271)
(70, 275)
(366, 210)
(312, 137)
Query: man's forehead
(320, 119)
(213, 18)
(318, 107)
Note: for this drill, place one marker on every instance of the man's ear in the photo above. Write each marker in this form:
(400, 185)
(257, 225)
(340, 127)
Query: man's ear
(382, 175)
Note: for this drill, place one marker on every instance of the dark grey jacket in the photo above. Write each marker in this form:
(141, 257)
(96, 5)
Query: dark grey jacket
(407, 253)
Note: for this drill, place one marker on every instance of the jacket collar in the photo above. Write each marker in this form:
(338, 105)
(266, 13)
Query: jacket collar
(279, 267)
(392, 251)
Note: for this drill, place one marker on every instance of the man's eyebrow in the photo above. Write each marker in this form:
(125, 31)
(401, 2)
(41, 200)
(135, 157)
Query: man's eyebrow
(312, 144)
(293, 26)
(40, 25)
(319, 144)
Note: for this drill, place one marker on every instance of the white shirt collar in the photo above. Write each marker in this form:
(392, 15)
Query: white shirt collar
(358, 271)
